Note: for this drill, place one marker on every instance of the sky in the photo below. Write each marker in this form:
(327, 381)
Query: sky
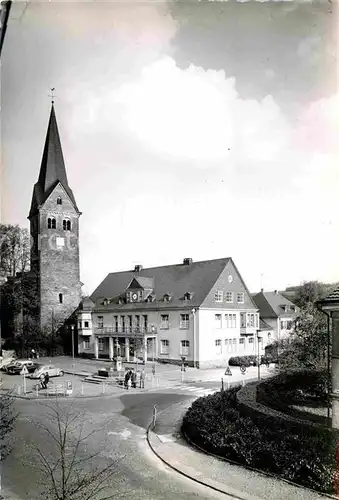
(189, 129)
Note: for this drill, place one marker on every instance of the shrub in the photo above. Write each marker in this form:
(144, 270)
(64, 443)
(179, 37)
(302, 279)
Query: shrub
(300, 453)
(243, 360)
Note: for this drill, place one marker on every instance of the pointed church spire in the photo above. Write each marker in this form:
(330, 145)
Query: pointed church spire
(52, 169)
(52, 166)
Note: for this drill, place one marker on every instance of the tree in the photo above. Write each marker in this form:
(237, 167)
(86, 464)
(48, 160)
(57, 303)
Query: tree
(67, 469)
(307, 346)
(14, 249)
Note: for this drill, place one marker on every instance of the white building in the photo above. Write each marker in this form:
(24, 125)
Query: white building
(202, 311)
(277, 311)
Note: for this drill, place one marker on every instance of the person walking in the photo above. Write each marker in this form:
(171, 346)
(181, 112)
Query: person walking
(134, 379)
(46, 379)
(129, 380)
(142, 379)
(127, 377)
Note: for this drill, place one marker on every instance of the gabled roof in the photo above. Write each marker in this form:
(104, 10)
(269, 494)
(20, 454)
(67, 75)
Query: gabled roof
(270, 304)
(264, 326)
(332, 297)
(52, 169)
(142, 282)
(198, 277)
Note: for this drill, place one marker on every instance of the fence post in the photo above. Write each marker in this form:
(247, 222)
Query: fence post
(222, 384)
(37, 390)
(82, 388)
(243, 382)
(103, 387)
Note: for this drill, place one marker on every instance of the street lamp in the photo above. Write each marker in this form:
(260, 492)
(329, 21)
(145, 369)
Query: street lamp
(193, 312)
(72, 330)
(258, 342)
(153, 341)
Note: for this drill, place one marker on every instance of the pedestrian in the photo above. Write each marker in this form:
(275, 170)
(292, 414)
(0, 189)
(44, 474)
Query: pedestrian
(33, 353)
(134, 379)
(127, 377)
(142, 379)
(129, 380)
(46, 379)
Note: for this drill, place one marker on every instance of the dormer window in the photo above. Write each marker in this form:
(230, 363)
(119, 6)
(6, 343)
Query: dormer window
(187, 296)
(59, 201)
(106, 302)
(166, 297)
(150, 298)
(121, 300)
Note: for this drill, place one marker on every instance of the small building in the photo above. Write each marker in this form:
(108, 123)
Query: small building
(277, 312)
(199, 311)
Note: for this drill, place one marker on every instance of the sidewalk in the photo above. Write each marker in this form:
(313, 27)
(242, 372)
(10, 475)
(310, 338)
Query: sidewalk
(231, 479)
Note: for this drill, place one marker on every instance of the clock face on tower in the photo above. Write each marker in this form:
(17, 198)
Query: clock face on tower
(134, 296)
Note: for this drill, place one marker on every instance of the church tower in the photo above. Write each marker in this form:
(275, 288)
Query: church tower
(54, 228)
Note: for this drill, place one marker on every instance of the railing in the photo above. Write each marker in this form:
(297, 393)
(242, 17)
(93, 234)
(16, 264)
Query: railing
(247, 330)
(127, 330)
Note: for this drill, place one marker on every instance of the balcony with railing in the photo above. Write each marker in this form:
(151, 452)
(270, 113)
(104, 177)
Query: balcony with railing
(125, 331)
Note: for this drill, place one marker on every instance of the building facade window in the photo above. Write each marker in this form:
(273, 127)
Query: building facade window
(101, 344)
(145, 321)
(79, 324)
(240, 298)
(229, 297)
(217, 320)
(61, 298)
(231, 320)
(123, 324)
(116, 323)
(129, 323)
(218, 347)
(164, 347)
(184, 321)
(100, 322)
(184, 347)
(86, 344)
(242, 341)
(59, 201)
(137, 322)
(164, 322)
(219, 296)
(250, 340)
(86, 324)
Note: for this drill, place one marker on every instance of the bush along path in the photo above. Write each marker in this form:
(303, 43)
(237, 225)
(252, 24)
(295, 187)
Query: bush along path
(301, 454)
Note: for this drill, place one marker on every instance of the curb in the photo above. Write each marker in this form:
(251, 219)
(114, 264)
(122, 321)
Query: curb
(214, 488)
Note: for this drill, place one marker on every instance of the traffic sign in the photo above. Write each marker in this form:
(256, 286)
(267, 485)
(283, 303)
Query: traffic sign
(228, 371)
(243, 369)
(24, 370)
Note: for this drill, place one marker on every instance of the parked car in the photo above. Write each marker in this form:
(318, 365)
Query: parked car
(52, 371)
(16, 367)
(7, 361)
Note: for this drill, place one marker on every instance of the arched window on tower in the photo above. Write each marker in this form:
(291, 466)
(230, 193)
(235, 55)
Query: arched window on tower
(59, 201)
(66, 225)
(51, 223)
(60, 298)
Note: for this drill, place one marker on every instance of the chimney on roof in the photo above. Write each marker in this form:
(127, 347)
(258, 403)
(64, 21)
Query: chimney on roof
(137, 268)
(187, 261)
(276, 292)
(262, 290)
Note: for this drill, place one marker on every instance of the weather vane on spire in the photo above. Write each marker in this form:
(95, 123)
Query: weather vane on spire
(52, 95)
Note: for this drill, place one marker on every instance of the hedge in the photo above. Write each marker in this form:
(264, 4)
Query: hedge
(243, 360)
(300, 453)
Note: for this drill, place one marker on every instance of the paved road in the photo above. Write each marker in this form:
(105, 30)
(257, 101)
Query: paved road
(121, 423)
